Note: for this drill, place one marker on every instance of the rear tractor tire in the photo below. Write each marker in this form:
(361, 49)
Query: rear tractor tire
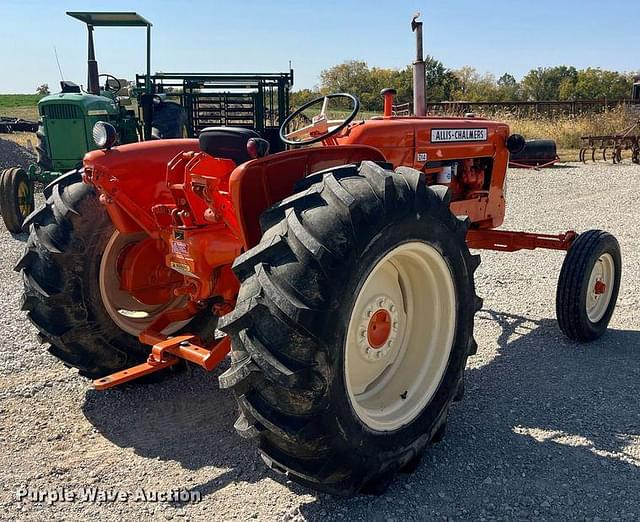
(352, 327)
(588, 286)
(16, 198)
(71, 288)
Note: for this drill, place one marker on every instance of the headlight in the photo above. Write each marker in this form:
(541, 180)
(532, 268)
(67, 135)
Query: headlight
(105, 135)
(516, 143)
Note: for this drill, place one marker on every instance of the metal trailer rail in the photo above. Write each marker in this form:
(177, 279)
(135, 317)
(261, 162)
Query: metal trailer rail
(258, 101)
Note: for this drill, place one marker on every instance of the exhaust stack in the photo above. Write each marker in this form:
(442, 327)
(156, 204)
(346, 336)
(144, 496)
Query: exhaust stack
(419, 73)
(93, 83)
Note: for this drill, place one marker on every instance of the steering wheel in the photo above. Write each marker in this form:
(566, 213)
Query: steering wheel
(321, 127)
(108, 87)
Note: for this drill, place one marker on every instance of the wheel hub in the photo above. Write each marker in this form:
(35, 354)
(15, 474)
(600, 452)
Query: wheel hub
(134, 305)
(600, 287)
(378, 328)
(400, 335)
(23, 199)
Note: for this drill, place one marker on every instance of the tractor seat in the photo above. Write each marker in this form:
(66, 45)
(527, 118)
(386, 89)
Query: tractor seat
(227, 142)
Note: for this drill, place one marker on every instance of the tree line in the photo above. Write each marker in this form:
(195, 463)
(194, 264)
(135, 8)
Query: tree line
(467, 84)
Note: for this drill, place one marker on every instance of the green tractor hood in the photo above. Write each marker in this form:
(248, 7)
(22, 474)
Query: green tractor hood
(68, 120)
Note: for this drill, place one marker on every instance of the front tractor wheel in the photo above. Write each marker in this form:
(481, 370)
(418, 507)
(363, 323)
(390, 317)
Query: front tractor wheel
(73, 294)
(588, 286)
(352, 328)
(16, 198)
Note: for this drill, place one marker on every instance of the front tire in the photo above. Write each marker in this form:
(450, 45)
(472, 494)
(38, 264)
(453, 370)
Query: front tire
(16, 198)
(299, 359)
(588, 286)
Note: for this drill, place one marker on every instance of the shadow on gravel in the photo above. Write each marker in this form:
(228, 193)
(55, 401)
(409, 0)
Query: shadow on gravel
(185, 418)
(545, 426)
(544, 430)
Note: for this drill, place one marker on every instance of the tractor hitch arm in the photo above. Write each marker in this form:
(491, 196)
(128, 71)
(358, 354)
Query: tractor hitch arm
(166, 352)
(508, 241)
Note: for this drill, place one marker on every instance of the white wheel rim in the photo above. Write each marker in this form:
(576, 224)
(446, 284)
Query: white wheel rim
(600, 287)
(412, 289)
(126, 311)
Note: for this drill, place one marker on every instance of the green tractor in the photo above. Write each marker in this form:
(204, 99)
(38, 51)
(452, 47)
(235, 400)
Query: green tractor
(68, 119)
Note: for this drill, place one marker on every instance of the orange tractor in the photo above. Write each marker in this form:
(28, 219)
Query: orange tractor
(338, 275)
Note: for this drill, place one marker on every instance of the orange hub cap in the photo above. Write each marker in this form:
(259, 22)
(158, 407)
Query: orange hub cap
(379, 329)
(600, 288)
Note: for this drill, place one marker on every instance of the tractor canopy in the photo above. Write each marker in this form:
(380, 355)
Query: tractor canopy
(110, 19)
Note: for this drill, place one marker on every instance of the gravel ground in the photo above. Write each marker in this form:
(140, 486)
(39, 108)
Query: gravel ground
(548, 429)
(13, 154)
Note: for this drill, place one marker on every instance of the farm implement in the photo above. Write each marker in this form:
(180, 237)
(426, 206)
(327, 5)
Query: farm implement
(612, 146)
(9, 125)
(339, 273)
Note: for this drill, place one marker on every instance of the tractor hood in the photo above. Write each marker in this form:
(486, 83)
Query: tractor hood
(418, 140)
(86, 102)
(68, 120)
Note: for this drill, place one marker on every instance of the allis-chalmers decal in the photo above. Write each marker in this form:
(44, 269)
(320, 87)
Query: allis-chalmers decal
(451, 135)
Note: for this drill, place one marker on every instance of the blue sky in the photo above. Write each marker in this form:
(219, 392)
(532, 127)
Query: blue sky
(262, 36)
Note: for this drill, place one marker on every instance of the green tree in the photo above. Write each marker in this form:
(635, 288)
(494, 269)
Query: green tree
(508, 88)
(298, 98)
(43, 90)
(567, 89)
(441, 82)
(466, 84)
(365, 83)
(593, 84)
(474, 87)
(351, 76)
(544, 83)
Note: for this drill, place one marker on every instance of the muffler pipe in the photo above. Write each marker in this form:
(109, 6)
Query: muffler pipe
(419, 72)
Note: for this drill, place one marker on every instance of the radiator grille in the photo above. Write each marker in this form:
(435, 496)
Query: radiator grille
(62, 111)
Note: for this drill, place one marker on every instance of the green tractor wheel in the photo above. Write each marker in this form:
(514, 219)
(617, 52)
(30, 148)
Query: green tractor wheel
(16, 198)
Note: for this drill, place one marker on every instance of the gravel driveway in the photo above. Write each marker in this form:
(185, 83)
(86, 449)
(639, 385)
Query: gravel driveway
(548, 429)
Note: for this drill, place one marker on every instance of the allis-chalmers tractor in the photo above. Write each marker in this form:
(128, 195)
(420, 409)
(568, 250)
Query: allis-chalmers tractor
(339, 275)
